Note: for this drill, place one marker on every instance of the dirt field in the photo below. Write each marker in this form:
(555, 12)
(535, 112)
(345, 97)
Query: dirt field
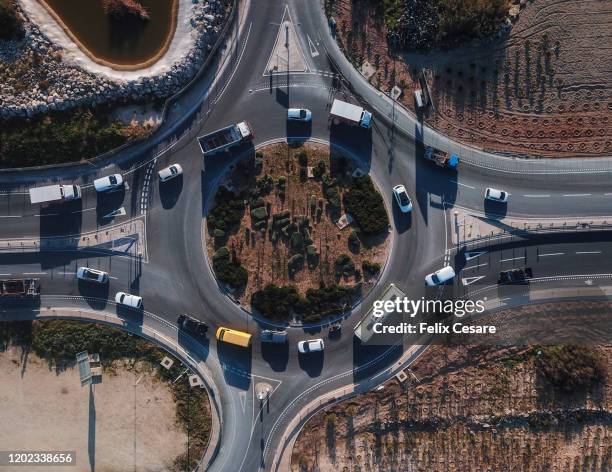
(543, 90)
(265, 261)
(474, 408)
(127, 422)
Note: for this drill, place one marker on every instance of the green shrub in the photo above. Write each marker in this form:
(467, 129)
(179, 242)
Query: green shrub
(227, 213)
(274, 302)
(325, 301)
(302, 158)
(371, 268)
(297, 242)
(295, 263)
(259, 214)
(366, 206)
(229, 270)
(354, 243)
(319, 170)
(571, 368)
(264, 185)
(286, 214)
(344, 266)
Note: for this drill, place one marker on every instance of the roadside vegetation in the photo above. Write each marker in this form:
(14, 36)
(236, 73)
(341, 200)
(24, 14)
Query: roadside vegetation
(10, 25)
(281, 237)
(58, 341)
(62, 137)
(462, 407)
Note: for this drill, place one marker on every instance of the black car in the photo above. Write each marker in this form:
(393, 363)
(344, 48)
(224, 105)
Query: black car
(334, 331)
(191, 325)
(515, 276)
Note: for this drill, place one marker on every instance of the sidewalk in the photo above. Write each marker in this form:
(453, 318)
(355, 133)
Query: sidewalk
(468, 226)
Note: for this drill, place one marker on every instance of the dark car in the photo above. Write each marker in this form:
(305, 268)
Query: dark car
(334, 331)
(515, 276)
(191, 325)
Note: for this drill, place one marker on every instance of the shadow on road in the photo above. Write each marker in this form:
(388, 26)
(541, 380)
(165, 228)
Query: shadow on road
(276, 355)
(107, 204)
(236, 362)
(95, 295)
(312, 363)
(170, 191)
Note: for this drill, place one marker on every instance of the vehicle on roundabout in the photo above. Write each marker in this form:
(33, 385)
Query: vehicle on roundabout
(310, 345)
(233, 336)
(354, 115)
(170, 172)
(108, 183)
(132, 301)
(273, 337)
(54, 193)
(334, 331)
(88, 274)
(299, 114)
(402, 198)
(496, 195)
(225, 138)
(519, 275)
(192, 325)
(440, 276)
(441, 158)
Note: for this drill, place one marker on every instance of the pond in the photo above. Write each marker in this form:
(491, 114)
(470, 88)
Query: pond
(127, 41)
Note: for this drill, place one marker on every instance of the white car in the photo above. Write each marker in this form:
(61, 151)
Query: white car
(403, 200)
(92, 275)
(311, 345)
(108, 183)
(170, 172)
(133, 301)
(496, 195)
(299, 114)
(440, 276)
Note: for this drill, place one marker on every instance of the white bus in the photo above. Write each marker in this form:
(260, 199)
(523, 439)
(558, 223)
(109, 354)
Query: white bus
(364, 329)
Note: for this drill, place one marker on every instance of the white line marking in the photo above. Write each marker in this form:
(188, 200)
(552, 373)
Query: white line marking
(34, 273)
(472, 255)
(536, 196)
(6, 275)
(313, 49)
(588, 252)
(10, 216)
(475, 266)
(512, 259)
(471, 280)
(577, 195)
(552, 254)
(463, 185)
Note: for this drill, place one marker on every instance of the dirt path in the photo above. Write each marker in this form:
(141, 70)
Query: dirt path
(127, 422)
(544, 90)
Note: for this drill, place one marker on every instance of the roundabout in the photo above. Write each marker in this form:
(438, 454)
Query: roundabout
(176, 277)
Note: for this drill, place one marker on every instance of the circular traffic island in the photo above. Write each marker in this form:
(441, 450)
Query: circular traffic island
(298, 234)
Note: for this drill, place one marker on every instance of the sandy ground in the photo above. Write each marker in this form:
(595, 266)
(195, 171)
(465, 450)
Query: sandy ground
(182, 42)
(544, 90)
(127, 422)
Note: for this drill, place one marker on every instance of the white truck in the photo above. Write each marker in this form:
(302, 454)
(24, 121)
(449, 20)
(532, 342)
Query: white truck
(225, 138)
(54, 193)
(350, 114)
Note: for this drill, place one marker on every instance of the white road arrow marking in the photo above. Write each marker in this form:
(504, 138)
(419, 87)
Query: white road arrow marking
(117, 212)
(313, 50)
(472, 255)
(242, 396)
(471, 280)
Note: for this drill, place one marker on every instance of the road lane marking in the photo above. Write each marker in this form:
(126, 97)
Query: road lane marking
(463, 185)
(471, 280)
(512, 259)
(475, 266)
(10, 216)
(551, 254)
(472, 255)
(536, 196)
(5, 275)
(588, 252)
(577, 195)
(34, 273)
(313, 50)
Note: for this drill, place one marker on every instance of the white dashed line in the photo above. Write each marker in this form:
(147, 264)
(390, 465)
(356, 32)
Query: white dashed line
(34, 273)
(588, 252)
(475, 266)
(536, 196)
(551, 254)
(463, 185)
(577, 195)
(512, 259)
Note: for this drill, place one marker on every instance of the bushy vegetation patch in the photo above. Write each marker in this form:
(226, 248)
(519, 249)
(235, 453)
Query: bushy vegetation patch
(61, 137)
(228, 269)
(274, 302)
(571, 368)
(226, 214)
(366, 206)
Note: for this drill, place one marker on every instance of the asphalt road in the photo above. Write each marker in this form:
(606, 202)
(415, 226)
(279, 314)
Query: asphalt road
(173, 277)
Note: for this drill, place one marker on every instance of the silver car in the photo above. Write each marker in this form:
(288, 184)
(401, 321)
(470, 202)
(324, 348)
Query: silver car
(108, 183)
(299, 114)
(170, 172)
(133, 301)
(311, 345)
(92, 275)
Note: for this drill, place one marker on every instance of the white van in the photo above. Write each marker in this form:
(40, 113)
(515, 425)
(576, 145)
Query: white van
(440, 276)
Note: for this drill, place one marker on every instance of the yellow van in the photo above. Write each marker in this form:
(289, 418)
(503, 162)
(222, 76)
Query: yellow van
(233, 336)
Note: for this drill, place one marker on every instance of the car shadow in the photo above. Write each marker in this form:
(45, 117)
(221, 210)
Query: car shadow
(276, 355)
(312, 363)
(236, 363)
(107, 203)
(298, 131)
(199, 344)
(402, 221)
(495, 210)
(130, 315)
(170, 191)
(96, 295)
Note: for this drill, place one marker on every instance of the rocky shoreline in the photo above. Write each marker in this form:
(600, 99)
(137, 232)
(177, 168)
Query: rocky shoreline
(37, 79)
